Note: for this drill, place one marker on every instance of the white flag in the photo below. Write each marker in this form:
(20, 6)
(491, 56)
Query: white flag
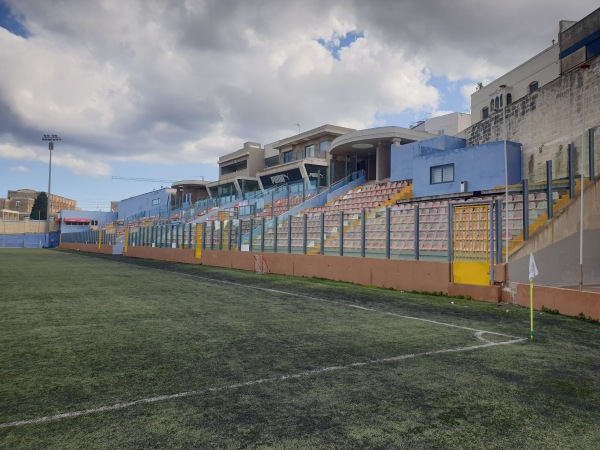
(533, 271)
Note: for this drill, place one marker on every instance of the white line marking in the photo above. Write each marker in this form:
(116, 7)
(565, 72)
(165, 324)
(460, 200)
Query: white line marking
(158, 398)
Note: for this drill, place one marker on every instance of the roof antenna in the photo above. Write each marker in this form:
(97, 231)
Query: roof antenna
(298, 125)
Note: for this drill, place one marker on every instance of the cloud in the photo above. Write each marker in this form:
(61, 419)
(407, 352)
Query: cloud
(19, 169)
(165, 82)
(80, 166)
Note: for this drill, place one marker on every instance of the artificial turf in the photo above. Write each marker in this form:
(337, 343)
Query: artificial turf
(80, 332)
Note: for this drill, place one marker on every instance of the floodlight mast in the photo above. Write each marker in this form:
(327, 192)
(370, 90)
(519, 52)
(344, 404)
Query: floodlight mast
(51, 139)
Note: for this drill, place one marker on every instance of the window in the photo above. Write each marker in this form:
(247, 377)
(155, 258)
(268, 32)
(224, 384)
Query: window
(508, 99)
(287, 157)
(18, 203)
(491, 104)
(309, 151)
(442, 174)
(501, 101)
(497, 103)
(155, 201)
(533, 86)
(485, 113)
(324, 146)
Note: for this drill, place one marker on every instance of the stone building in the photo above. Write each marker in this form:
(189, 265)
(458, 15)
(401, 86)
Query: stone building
(22, 201)
(547, 119)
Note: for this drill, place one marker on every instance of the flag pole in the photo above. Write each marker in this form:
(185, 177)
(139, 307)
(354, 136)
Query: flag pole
(533, 272)
(531, 308)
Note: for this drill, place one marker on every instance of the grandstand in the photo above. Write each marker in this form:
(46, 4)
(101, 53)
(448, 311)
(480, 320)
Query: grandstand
(475, 200)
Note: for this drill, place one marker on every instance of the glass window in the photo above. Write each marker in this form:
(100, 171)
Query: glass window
(287, 157)
(18, 203)
(324, 146)
(155, 201)
(497, 103)
(533, 87)
(309, 151)
(485, 113)
(508, 99)
(442, 174)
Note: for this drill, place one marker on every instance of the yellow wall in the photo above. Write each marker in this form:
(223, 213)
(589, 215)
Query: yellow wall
(26, 226)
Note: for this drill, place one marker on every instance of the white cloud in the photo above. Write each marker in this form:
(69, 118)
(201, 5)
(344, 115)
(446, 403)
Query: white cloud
(167, 82)
(19, 169)
(79, 166)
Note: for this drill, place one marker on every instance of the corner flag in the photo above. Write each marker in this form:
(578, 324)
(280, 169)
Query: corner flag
(533, 270)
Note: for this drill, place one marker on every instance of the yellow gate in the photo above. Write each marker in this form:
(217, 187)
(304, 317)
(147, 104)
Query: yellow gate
(471, 244)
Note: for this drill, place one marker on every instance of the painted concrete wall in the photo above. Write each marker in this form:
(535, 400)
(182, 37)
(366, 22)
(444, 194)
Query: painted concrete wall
(404, 275)
(180, 255)
(567, 301)
(451, 124)
(580, 41)
(543, 68)
(27, 240)
(27, 226)
(101, 216)
(482, 167)
(556, 245)
(402, 156)
(143, 203)
(89, 248)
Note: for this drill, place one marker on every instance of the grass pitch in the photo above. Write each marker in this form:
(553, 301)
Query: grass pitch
(100, 353)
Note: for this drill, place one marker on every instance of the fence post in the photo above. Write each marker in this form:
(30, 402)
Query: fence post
(262, 235)
(549, 198)
(289, 243)
(416, 231)
(341, 234)
(491, 240)
(363, 233)
(251, 238)
(592, 162)
(450, 232)
(229, 233)
(322, 232)
(388, 221)
(304, 233)
(525, 210)
(274, 234)
(498, 223)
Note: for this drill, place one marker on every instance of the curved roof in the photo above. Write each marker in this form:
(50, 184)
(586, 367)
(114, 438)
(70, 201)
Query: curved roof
(363, 141)
(190, 183)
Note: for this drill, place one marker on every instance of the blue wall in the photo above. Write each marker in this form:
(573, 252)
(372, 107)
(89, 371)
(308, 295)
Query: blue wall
(482, 167)
(28, 240)
(102, 217)
(142, 204)
(402, 157)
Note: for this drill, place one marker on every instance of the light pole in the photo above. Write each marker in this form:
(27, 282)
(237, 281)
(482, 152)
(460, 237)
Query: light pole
(581, 157)
(51, 138)
(503, 87)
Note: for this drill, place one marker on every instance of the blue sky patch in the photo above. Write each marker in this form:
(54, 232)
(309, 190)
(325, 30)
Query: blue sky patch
(451, 93)
(337, 43)
(12, 23)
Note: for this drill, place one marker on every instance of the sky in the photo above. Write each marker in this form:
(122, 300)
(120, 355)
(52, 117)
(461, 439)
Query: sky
(161, 88)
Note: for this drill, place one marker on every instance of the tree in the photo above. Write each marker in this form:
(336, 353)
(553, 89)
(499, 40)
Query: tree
(40, 207)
